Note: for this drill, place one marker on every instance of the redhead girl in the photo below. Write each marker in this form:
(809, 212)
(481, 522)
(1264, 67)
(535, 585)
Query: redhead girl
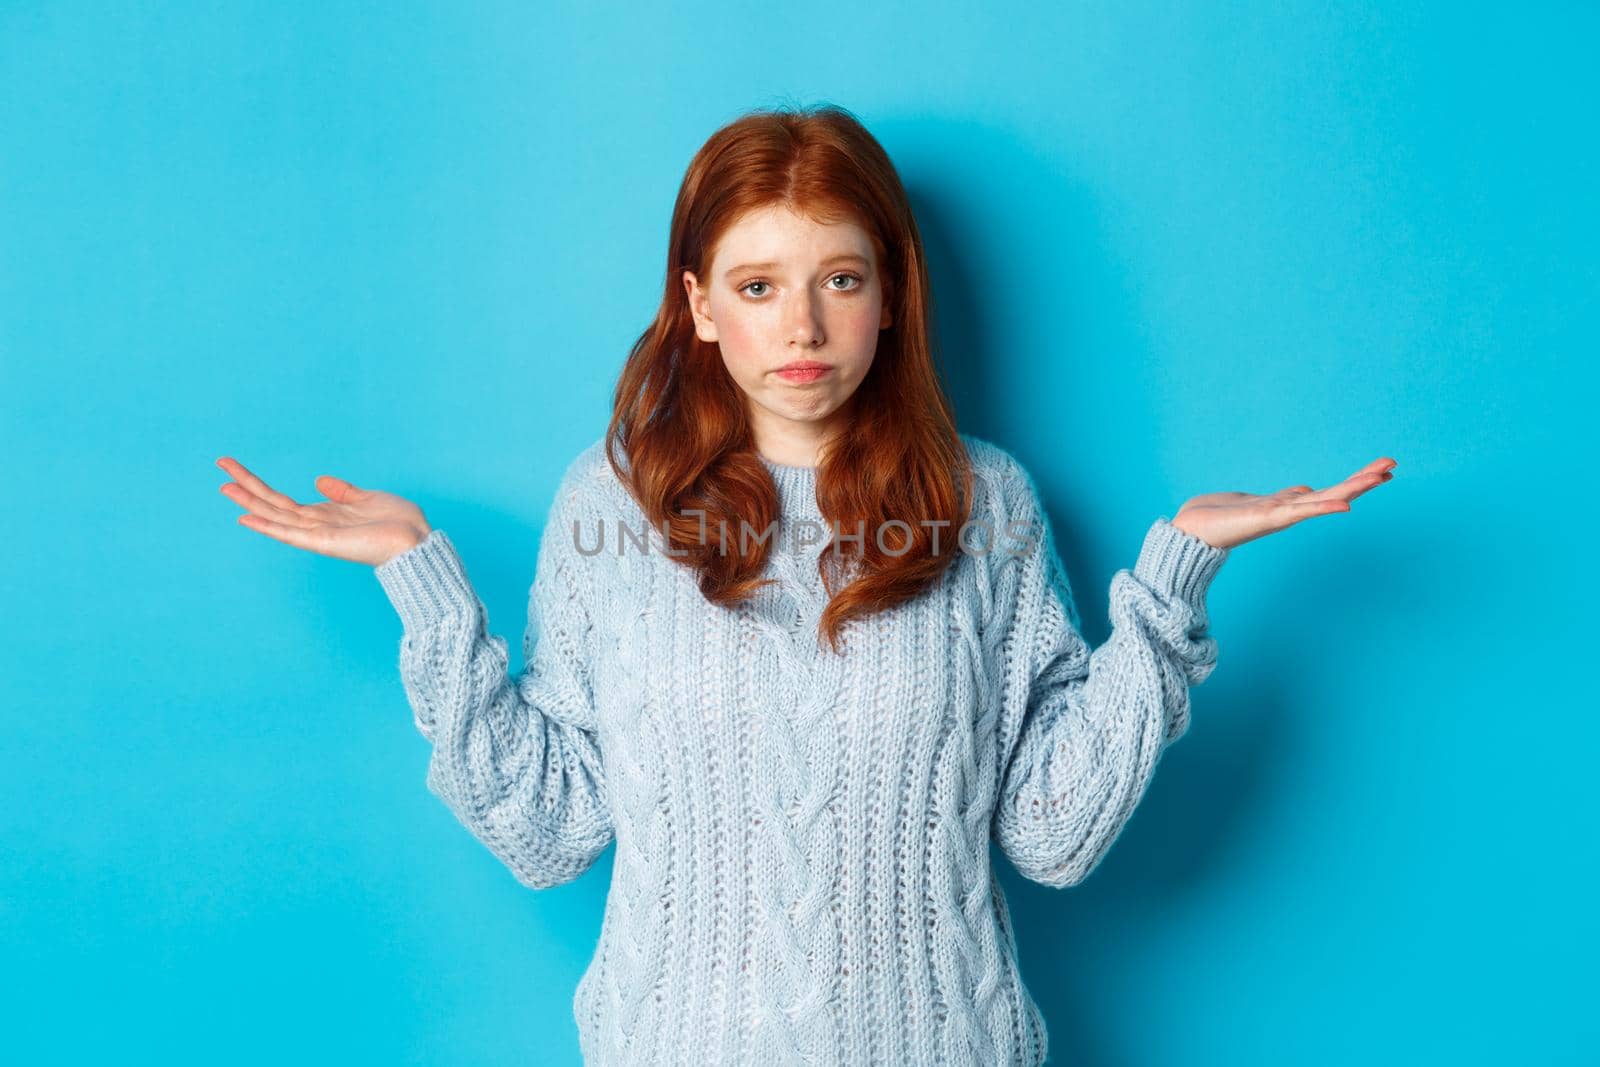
(797, 646)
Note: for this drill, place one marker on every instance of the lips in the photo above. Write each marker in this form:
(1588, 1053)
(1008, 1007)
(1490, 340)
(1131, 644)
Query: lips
(803, 370)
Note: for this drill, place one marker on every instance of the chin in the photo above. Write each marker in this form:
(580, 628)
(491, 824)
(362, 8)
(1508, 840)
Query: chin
(794, 413)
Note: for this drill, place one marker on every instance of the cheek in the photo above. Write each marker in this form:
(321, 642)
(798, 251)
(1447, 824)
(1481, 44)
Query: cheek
(858, 325)
(739, 338)
(736, 331)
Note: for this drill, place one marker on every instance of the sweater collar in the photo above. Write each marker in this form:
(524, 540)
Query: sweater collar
(797, 490)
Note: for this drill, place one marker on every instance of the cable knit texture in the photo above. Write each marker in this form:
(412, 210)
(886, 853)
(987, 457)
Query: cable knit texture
(802, 838)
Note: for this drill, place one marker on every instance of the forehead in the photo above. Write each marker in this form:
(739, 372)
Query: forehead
(779, 235)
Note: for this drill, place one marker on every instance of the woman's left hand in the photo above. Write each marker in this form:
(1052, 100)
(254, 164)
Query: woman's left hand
(1223, 520)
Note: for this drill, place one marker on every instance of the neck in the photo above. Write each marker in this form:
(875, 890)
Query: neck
(788, 443)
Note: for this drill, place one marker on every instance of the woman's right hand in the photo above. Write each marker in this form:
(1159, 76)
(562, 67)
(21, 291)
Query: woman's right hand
(361, 525)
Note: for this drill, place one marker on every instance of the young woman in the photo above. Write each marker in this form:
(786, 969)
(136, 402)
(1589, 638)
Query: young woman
(797, 646)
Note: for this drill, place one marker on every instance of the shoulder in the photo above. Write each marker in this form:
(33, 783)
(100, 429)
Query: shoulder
(1004, 485)
(584, 470)
(988, 457)
(1016, 502)
(1008, 496)
(589, 485)
(579, 512)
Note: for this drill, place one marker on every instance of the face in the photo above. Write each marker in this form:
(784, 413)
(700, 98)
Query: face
(780, 289)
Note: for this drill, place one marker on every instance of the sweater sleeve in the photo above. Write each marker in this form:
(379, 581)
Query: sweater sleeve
(1081, 730)
(515, 758)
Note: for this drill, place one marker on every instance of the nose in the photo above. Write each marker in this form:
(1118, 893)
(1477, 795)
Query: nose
(804, 321)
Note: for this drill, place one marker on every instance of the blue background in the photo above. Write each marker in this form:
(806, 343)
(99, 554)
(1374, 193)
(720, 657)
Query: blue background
(1174, 252)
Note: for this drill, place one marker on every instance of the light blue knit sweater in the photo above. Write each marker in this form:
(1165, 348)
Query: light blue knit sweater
(802, 869)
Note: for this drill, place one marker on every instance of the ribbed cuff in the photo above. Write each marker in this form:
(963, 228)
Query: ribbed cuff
(426, 582)
(1175, 563)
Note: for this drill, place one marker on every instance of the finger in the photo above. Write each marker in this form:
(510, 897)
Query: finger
(1293, 489)
(298, 536)
(256, 485)
(1368, 483)
(1383, 476)
(257, 506)
(1379, 466)
(1351, 487)
(1293, 511)
(337, 489)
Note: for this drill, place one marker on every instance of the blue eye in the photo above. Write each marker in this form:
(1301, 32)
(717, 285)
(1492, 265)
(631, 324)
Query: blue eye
(749, 285)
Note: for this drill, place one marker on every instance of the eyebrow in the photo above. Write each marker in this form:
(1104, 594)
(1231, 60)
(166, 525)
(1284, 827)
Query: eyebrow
(745, 268)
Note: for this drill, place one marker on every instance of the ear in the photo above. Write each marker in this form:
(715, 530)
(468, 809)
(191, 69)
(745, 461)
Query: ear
(700, 308)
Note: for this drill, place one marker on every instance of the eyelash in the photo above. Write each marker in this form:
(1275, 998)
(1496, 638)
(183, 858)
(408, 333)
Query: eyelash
(841, 274)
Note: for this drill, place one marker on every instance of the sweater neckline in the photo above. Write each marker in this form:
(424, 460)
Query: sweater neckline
(797, 489)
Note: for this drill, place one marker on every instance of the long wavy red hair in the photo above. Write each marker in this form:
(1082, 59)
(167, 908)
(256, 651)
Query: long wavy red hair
(680, 420)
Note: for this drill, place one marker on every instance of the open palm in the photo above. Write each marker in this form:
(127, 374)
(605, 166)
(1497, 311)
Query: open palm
(1227, 519)
(361, 525)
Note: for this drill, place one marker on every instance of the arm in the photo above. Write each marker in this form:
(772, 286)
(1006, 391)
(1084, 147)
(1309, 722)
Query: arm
(516, 759)
(1081, 731)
